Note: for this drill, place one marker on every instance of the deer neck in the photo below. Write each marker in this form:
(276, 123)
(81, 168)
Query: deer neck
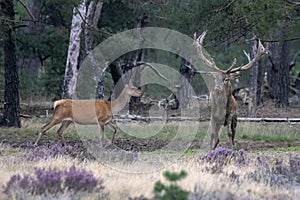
(118, 104)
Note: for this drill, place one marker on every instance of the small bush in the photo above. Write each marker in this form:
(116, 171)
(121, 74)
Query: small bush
(54, 182)
(172, 191)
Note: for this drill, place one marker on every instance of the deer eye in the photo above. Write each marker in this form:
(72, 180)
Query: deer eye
(226, 80)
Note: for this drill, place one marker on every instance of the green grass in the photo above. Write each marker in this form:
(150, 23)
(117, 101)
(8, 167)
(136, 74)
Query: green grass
(268, 132)
(168, 131)
(282, 149)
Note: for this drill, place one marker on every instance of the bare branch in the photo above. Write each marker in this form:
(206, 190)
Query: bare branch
(225, 7)
(160, 2)
(293, 61)
(153, 68)
(293, 2)
(247, 55)
(27, 10)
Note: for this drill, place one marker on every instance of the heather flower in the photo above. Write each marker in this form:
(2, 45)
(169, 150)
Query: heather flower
(280, 174)
(54, 182)
(54, 150)
(12, 181)
(222, 155)
(80, 180)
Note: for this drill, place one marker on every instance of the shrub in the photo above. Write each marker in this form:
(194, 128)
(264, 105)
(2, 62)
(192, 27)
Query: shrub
(54, 182)
(172, 191)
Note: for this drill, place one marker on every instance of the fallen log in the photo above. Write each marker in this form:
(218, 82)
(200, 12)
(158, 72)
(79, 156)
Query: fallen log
(240, 119)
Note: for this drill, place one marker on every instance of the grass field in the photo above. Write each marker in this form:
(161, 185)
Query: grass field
(266, 170)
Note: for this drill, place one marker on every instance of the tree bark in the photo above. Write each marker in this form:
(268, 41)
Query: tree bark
(128, 62)
(256, 80)
(278, 72)
(11, 115)
(70, 78)
(92, 18)
(184, 91)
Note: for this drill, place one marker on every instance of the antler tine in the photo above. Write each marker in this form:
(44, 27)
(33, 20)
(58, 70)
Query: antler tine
(209, 62)
(232, 65)
(201, 37)
(261, 51)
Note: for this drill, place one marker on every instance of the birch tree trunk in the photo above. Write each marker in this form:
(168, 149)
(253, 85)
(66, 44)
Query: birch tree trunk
(92, 18)
(71, 72)
(252, 105)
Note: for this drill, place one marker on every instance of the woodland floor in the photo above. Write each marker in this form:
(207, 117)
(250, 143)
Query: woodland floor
(268, 110)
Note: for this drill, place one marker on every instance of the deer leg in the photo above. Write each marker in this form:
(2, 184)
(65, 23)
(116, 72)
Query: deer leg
(233, 128)
(229, 130)
(101, 133)
(112, 125)
(214, 140)
(49, 125)
(61, 130)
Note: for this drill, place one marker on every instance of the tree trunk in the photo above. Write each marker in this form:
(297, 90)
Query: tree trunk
(184, 91)
(256, 79)
(126, 63)
(116, 74)
(11, 115)
(92, 18)
(72, 64)
(278, 72)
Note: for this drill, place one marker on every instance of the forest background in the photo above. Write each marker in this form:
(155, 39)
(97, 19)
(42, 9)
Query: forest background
(36, 36)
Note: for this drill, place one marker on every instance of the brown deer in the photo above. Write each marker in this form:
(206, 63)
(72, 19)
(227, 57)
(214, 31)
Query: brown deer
(67, 111)
(223, 104)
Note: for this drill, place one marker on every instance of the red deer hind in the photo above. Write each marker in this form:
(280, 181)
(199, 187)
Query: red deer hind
(88, 112)
(223, 104)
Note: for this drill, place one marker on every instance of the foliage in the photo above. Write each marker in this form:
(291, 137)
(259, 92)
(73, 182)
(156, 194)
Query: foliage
(172, 191)
(227, 22)
(54, 182)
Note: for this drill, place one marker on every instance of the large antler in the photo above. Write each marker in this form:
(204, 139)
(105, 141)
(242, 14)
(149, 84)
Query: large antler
(261, 51)
(199, 44)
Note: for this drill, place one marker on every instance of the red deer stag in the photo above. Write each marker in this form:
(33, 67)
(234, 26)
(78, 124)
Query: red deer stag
(88, 112)
(223, 104)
